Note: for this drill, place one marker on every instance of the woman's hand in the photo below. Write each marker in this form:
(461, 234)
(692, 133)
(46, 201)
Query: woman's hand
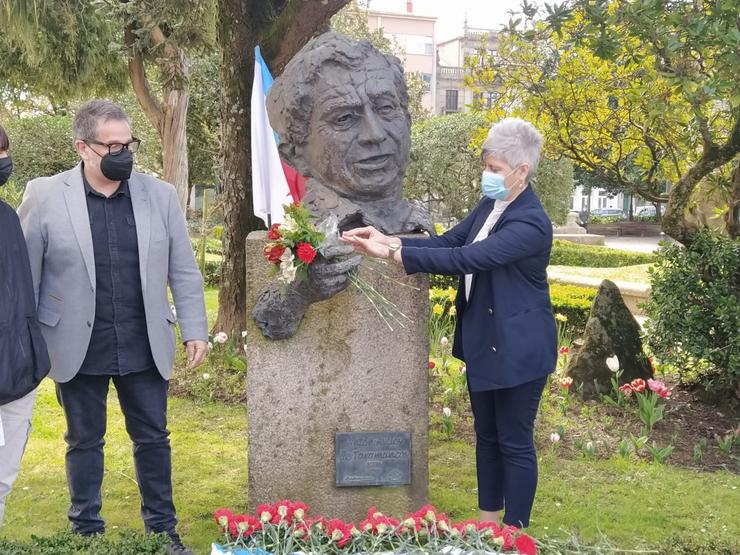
(366, 233)
(367, 246)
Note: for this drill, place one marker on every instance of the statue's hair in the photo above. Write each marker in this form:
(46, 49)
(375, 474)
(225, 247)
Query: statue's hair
(516, 142)
(290, 103)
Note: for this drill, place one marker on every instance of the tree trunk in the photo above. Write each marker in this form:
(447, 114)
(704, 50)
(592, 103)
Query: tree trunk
(237, 40)
(169, 115)
(175, 142)
(242, 24)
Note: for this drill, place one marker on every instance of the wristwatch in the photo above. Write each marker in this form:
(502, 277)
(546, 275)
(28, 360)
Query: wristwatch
(392, 248)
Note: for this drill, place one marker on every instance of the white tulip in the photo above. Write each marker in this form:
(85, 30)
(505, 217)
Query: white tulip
(447, 412)
(554, 437)
(613, 363)
(444, 341)
(206, 376)
(221, 338)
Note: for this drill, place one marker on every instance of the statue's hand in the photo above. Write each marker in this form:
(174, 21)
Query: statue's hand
(328, 275)
(278, 312)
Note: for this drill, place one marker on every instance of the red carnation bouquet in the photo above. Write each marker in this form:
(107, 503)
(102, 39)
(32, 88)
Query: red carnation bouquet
(294, 245)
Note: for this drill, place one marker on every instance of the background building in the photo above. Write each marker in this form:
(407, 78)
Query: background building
(452, 95)
(415, 34)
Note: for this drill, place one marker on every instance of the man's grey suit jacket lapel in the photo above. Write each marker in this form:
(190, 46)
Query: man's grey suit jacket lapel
(74, 196)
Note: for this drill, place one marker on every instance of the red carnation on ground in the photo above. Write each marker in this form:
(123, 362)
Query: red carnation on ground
(299, 510)
(223, 518)
(265, 512)
(274, 233)
(431, 365)
(525, 545)
(283, 512)
(306, 252)
(339, 532)
(564, 351)
(243, 525)
(273, 252)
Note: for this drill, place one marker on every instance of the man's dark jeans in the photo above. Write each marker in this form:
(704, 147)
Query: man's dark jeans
(143, 399)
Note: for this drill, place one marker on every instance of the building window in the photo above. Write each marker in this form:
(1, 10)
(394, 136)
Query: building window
(451, 100)
(427, 78)
(417, 44)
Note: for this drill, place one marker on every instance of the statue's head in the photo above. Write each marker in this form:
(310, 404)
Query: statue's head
(340, 108)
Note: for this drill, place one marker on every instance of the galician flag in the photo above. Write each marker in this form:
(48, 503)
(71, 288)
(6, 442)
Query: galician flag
(270, 186)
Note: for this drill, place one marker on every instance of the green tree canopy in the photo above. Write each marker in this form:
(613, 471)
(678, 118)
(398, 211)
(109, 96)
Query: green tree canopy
(444, 166)
(642, 92)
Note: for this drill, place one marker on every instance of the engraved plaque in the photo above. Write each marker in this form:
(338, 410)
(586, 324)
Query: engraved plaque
(373, 458)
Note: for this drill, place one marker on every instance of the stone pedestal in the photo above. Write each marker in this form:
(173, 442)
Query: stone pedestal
(571, 226)
(343, 371)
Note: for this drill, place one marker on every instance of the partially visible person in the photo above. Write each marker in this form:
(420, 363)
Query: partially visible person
(505, 330)
(105, 243)
(23, 358)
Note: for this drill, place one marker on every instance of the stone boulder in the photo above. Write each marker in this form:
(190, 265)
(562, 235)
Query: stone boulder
(610, 330)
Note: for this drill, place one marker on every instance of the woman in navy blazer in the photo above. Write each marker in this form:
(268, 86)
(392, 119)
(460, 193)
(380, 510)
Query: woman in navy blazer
(505, 331)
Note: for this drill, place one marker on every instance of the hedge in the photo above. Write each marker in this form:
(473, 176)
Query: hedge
(67, 543)
(565, 253)
(574, 302)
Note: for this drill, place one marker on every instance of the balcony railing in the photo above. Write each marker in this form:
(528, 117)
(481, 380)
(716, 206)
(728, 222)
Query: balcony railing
(449, 72)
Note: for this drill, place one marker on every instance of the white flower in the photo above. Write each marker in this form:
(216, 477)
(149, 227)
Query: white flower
(554, 437)
(447, 412)
(287, 224)
(287, 271)
(613, 363)
(244, 333)
(287, 256)
(444, 341)
(206, 376)
(221, 338)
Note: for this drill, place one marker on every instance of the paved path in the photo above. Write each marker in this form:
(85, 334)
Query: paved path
(637, 244)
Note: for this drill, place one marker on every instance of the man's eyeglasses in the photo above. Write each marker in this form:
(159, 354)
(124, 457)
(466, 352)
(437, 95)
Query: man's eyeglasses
(116, 148)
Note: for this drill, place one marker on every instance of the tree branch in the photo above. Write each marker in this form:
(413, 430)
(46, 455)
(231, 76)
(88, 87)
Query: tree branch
(295, 26)
(140, 83)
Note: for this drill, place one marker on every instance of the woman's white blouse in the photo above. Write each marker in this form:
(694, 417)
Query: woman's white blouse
(493, 217)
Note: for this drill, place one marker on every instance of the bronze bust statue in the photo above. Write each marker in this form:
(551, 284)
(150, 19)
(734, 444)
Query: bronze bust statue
(340, 109)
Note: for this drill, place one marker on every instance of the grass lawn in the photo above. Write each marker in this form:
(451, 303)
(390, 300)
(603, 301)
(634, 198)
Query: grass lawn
(637, 273)
(209, 470)
(631, 503)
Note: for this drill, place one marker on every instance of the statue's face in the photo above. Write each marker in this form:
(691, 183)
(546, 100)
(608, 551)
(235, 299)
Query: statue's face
(359, 137)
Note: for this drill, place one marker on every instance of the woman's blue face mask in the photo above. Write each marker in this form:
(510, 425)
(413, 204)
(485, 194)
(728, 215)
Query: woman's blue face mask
(493, 185)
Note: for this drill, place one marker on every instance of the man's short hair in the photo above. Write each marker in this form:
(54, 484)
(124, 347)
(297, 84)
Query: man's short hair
(289, 101)
(93, 113)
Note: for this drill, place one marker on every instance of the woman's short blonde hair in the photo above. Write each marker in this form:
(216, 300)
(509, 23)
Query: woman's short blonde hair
(516, 142)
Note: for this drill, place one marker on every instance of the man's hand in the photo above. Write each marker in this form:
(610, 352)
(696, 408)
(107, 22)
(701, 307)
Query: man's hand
(368, 232)
(197, 351)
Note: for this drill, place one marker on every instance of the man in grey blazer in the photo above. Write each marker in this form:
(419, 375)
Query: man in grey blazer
(104, 245)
